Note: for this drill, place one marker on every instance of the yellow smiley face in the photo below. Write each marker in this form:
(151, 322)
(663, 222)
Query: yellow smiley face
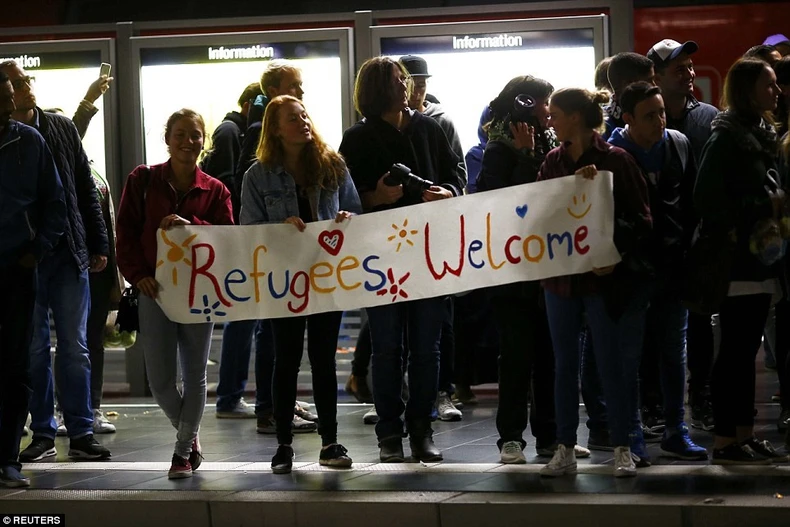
(579, 204)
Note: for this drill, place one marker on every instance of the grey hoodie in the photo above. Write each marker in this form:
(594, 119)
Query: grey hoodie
(436, 112)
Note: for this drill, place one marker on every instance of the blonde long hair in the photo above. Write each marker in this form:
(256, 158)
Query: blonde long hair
(323, 166)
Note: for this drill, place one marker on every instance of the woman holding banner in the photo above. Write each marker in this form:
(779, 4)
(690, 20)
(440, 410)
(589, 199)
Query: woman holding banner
(392, 134)
(611, 297)
(165, 196)
(298, 179)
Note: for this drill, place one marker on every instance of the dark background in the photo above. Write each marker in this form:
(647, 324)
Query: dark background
(53, 12)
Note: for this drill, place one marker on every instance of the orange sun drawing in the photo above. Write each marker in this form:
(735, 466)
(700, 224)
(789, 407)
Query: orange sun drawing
(176, 253)
(402, 235)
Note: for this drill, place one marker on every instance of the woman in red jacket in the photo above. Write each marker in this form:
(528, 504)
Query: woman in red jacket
(165, 196)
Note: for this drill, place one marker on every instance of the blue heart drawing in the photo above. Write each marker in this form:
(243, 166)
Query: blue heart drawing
(522, 210)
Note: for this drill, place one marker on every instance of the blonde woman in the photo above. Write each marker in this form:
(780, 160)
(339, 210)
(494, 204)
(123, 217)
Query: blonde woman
(298, 179)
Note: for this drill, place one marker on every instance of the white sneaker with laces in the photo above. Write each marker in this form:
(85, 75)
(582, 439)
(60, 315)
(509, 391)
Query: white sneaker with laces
(512, 454)
(242, 410)
(60, 424)
(302, 426)
(563, 462)
(624, 466)
(446, 409)
(102, 425)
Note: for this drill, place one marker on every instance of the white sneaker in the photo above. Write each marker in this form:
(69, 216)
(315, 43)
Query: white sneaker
(581, 452)
(242, 410)
(302, 426)
(102, 425)
(548, 451)
(563, 462)
(624, 466)
(512, 454)
(60, 424)
(371, 417)
(446, 409)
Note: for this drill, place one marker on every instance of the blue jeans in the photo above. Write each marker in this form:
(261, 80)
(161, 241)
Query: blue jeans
(665, 330)
(423, 321)
(65, 290)
(235, 360)
(618, 348)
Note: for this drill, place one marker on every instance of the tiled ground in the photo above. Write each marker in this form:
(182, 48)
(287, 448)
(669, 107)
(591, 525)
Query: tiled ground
(237, 458)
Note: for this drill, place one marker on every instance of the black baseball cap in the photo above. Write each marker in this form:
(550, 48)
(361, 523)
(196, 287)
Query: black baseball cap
(416, 66)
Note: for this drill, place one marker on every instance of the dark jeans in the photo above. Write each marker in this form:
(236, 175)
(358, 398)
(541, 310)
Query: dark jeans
(618, 350)
(733, 381)
(423, 318)
(101, 285)
(782, 350)
(322, 332)
(665, 337)
(700, 352)
(361, 361)
(592, 391)
(18, 288)
(362, 353)
(526, 370)
(447, 350)
(235, 363)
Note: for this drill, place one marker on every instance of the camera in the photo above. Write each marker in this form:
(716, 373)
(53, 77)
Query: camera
(401, 175)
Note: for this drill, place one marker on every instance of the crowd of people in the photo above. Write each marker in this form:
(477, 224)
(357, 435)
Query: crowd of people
(700, 222)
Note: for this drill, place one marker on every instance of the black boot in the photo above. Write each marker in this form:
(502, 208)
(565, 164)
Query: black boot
(391, 450)
(423, 449)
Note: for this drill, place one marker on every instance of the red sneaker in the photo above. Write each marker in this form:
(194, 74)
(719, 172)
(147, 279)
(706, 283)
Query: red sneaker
(179, 468)
(196, 456)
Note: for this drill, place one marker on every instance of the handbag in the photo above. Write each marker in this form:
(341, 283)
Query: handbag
(128, 319)
(708, 267)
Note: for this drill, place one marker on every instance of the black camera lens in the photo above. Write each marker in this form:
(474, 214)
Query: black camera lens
(400, 174)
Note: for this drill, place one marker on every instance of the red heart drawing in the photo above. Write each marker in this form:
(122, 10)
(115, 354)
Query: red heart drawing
(331, 241)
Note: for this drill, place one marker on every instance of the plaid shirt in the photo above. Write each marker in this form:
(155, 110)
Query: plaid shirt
(631, 205)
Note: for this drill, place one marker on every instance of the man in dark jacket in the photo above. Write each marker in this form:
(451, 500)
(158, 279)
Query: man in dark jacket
(668, 165)
(279, 78)
(624, 69)
(675, 76)
(63, 287)
(32, 217)
(221, 161)
(418, 71)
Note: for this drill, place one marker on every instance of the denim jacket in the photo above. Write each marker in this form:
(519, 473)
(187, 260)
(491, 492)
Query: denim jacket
(268, 195)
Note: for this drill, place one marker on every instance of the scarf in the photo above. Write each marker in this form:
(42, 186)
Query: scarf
(753, 137)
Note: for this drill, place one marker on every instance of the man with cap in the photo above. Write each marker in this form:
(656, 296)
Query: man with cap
(418, 101)
(780, 42)
(675, 76)
(418, 71)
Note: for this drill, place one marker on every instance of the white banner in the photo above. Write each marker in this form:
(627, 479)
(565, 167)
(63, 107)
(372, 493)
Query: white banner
(529, 232)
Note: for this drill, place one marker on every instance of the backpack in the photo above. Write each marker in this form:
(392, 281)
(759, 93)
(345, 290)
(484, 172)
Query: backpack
(681, 143)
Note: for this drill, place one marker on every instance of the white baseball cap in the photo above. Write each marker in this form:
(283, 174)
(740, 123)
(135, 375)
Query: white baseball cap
(668, 49)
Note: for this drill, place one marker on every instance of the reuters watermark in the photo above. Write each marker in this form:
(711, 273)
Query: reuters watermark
(33, 519)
